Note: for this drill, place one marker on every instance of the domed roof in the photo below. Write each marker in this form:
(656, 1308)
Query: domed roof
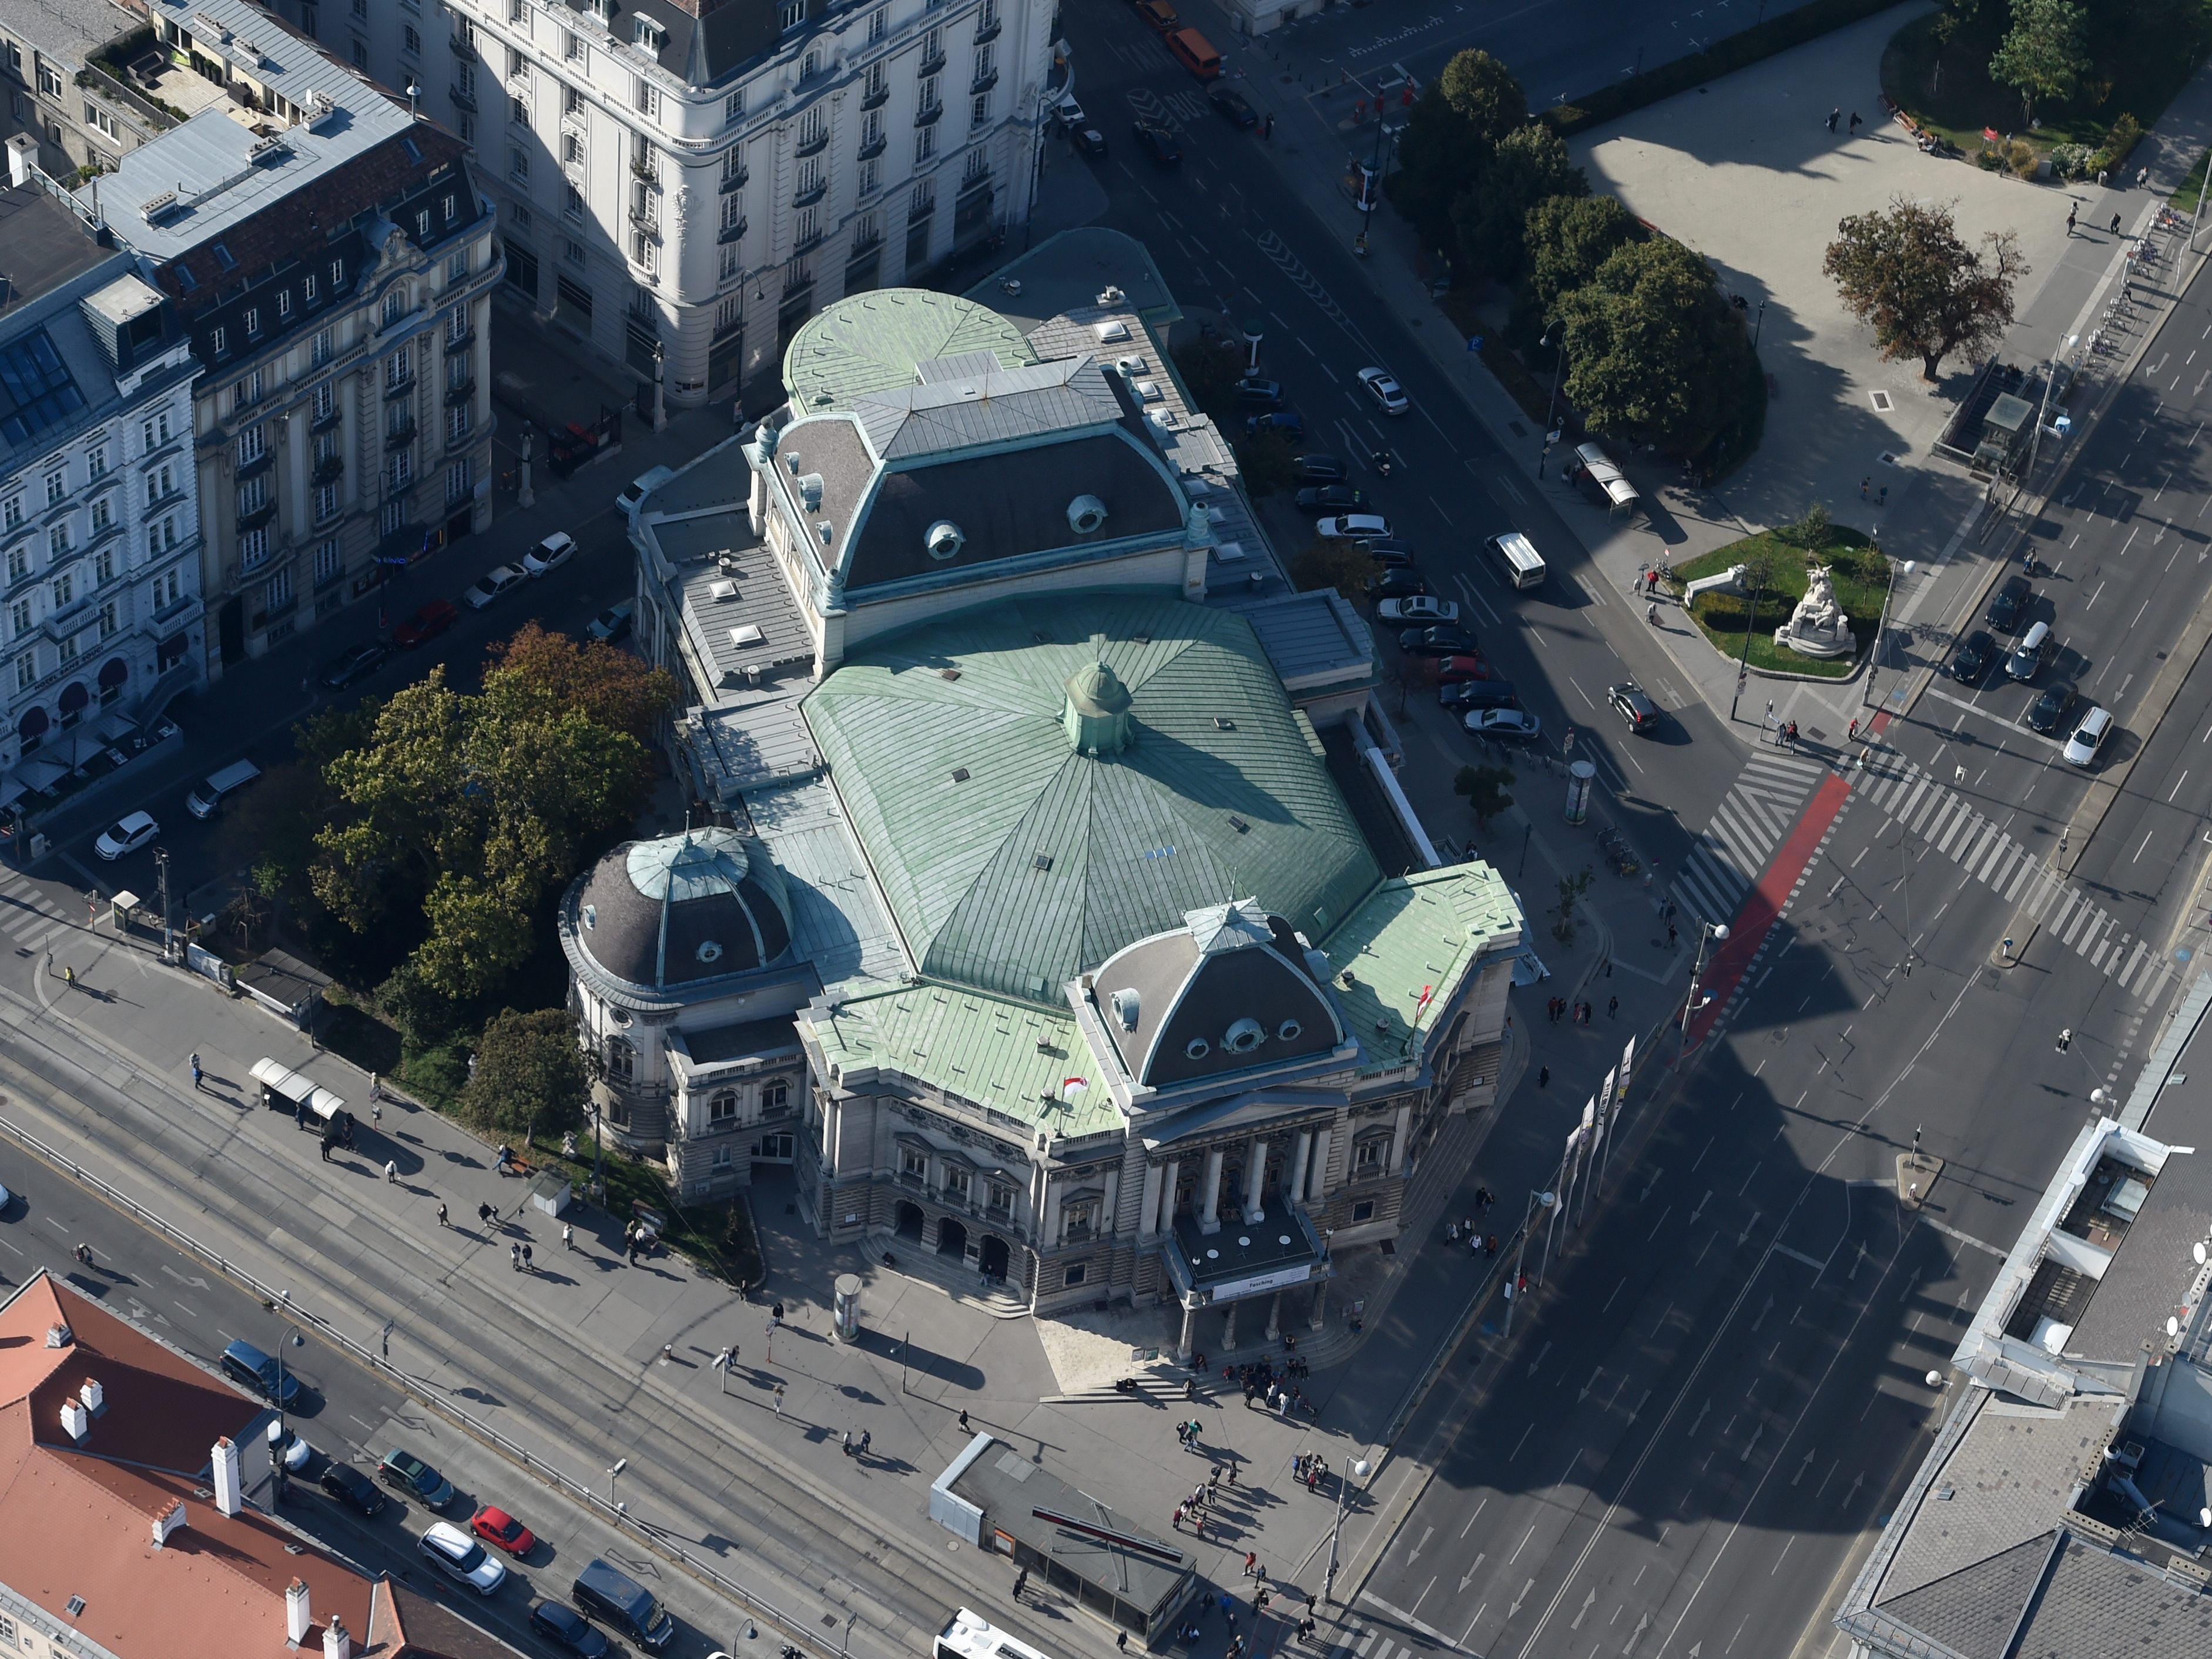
(683, 909)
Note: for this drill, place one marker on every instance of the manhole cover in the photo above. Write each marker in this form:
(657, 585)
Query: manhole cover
(1880, 401)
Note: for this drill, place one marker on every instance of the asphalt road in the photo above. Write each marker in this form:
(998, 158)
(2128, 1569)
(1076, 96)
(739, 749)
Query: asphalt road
(353, 1415)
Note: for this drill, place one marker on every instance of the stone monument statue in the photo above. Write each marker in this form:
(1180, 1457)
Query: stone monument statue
(1818, 626)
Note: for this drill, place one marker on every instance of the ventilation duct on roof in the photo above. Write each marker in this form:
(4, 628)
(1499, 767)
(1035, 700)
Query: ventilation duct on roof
(809, 491)
(827, 531)
(945, 539)
(1127, 1007)
(1085, 514)
(1243, 1037)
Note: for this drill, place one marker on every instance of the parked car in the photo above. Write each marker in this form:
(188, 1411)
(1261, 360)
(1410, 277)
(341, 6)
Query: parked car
(494, 582)
(563, 1625)
(1255, 392)
(1446, 640)
(1451, 670)
(207, 796)
(295, 1452)
(1084, 141)
(426, 623)
(1067, 114)
(502, 1531)
(359, 663)
(1971, 660)
(410, 1475)
(349, 1486)
(125, 836)
(1158, 142)
(2056, 702)
(1417, 608)
(1505, 725)
(556, 550)
(1320, 469)
(1330, 498)
(1382, 385)
(1401, 583)
(1479, 694)
(1353, 527)
(1233, 104)
(1160, 14)
(612, 1594)
(1389, 550)
(1633, 704)
(1287, 422)
(2009, 605)
(244, 1363)
(2089, 736)
(613, 622)
(460, 1557)
(631, 496)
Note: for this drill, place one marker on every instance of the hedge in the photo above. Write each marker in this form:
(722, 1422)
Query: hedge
(1739, 50)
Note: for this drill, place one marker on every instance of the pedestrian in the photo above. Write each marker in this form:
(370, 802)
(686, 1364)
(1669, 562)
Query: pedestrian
(964, 1420)
(326, 1149)
(1854, 736)
(1233, 1467)
(2142, 177)
(1672, 936)
(2069, 223)
(1213, 1478)
(1543, 1077)
(1834, 116)
(1855, 123)
(514, 1256)
(779, 1399)
(442, 1222)
(1613, 1007)
(196, 1071)
(528, 1265)
(2116, 223)
(1864, 484)
(1250, 1560)
(567, 1235)
(1490, 1247)
(1177, 1519)
(483, 1215)
(848, 1442)
(1882, 499)
(1198, 1526)
(1122, 1637)
(1259, 1572)
(376, 1112)
(1269, 131)
(1021, 1582)
(390, 1172)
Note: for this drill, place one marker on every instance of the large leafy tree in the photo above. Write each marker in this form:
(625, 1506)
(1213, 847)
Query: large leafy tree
(1345, 566)
(1569, 237)
(1908, 274)
(529, 1074)
(1653, 351)
(2044, 54)
(1529, 166)
(1455, 126)
(540, 673)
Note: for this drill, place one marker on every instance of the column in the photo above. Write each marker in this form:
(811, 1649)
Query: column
(1275, 1316)
(1398, 1138)
(1256, 1176)
(1317, 1188)
(1208, 1221)
(1050, 1240)
(1168, 1195)
(1184, 1348)
(1321, 1306)
(1298, 1161)
(1229, 1330)
(1148, 1207)
(1109, 1219)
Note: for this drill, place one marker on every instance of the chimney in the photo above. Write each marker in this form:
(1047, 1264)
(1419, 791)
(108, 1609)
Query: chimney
(297, 1619)
(76, 1418)
(167, 1522)
(225, 1457)
(95, 1396)
(58, 1336)
(337, 1644)
(22, 159)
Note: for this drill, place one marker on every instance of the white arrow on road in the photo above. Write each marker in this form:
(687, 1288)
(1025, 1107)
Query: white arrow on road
(1426, 1535)
(1515, 1608)
(1539, 1359)
(1702, 1202)
(1596, 1374)
(1747, 1226)
(184, 1278)
(1643, 1624)
(1801, 1469)
(1588, 1596)
(1468, 1577)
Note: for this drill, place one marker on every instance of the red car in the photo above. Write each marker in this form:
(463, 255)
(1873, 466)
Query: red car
(1453, 671)
(426, 624)
(502, 1531)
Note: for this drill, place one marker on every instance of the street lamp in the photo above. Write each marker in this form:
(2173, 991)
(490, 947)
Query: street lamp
(276, 1436)
(1360, 1469)
(2035, 443)
(1551, 403)
(1881, 627)
(1536, 1200)
(1713, 931)
(526, 497)
(621, 1464)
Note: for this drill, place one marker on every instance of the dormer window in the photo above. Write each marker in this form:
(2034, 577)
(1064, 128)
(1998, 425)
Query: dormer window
(648, 35)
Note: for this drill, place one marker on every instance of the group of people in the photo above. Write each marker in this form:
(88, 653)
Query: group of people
(1307, 1469)
(1559, 1006)
(337, 1131)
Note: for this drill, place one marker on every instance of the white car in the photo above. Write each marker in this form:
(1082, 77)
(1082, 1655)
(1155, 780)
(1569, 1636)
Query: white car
(632, 494)
(1417, 608)
(2089, 736)
(1352, 527)
(297, 1452)
(556, 550)
(126, 836)
(1382, 385)
(495, 582)
(460, 1556)
(1505, 725)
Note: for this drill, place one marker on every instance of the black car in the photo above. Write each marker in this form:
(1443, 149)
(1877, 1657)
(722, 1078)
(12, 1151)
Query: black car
(1479, 694)
(1232, 104)
(1159, 143)
(349, 1486)
(1446, 639)
(1330, 498)
(2009, 605)
(1633, 704)
(2045, 713)
(1086, 141)
(567, 1628)
(1389, 552)
(348, 666)
(1253, 393)
(1322, 469)
(1400, 584)
(1971, 660)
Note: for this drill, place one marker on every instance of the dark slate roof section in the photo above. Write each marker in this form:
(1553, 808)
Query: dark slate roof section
(42, 246)
(1253, 984)
(731, 590)
(1155, 969)
(829, 446)
(700, 927)
(1377, 820)
(1009, 504)
(702, 41)
(1975, 1611)
(756, 1039)
(2098, 1605)
(2151, 1270)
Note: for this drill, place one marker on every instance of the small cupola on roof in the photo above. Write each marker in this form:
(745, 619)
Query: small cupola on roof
(1096, 716)
(681, 908)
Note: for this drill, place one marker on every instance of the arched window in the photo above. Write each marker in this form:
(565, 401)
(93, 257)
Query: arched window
(722, 1106)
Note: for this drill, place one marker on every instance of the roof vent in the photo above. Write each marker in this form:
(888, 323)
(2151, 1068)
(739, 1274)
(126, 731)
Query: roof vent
(827, 531)
(1111, 296)
(1041, 864)
(948, 673)
(1095, 714)
(1133, 365)
(809, 491)
(1085, 514)
(263, 149)
(1243, 1037)
(722, 591)
(749, 634)
(1289, 1030)
(1109, 332)
(76, 1418)
(1197, 1049)
(336, 1642)
(154, 208)
(790, 460)
(95, 1396)
(945, 539)
(58, 1336)
(1223, 723)
(1127, 1007)
(1238, 824)
(320, 107)
(1349, 978)
(959, 775)
(591, 916)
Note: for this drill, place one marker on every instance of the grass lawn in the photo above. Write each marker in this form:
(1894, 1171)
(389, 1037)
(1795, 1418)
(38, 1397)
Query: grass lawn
(2140, 65)
(1858, 569)
(2192, 188)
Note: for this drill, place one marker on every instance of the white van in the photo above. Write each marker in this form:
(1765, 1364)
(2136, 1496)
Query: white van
(207, 793)
(1518, 559)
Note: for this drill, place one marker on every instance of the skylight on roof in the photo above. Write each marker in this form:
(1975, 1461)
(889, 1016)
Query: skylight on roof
(36, 391)
(222, 258)
(413, 154)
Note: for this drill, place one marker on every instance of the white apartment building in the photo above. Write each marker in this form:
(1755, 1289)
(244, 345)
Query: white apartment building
(99, 506)
(694, 180)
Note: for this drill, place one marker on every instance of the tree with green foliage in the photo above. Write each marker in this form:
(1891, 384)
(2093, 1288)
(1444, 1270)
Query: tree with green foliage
(1485, 787)
(1653, 351)
(1955, 16)
(1456, 123)
(1210, 370)
(529, 1075)
(2043, 55)
(1266, 461)
(1568, 237)
(1908, 274)
(1571, 889)
(1528, 166)
(1330, 562)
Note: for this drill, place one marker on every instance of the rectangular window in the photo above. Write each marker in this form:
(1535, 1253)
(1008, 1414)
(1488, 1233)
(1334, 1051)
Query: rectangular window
(253, 322)
(252, 443)
(467, 125)
(518, 162)
(722, 1106)
(924, 145)
(979, 111)
(731, 262)
(221, 340)
(12, 512)
(327, 401)
(101, 515)
(460, 480)
(390, 516)
(645, 97)
(572, 250)
(103, 568)
(792, 13)
(330, 561)
(457, 423)
(68, 653)
(252, 495)
(326, 502)
(338, 273)
(410, 42)
(734, 211)
(18, 617)
(571, 49)
(319, 352)
(278, 594)
(57, 487)
(95, 463)
(397, 370)
(572, 150)
(309, 288)
(247, 391)
(401, 473)
(734, 106)
(108, 625)
(58, 541)
(19, 564)
(27, 676)
(914, 1163)
(284, 305)
(64, 589)
(518, 111)
(879, 20)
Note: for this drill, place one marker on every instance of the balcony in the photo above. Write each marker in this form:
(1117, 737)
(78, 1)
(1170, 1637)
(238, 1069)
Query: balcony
(400, 436)
(573, 121)
(988, 33)
(982, 83)
(460, 341)
(462, 99)
(644, 171)
(255, 520)
(933, 63)
(872, 149)
(259, 464)
(458, 441)
(330, 469)
(326, 422)
(809, 197)
(813, 146)
(463, 49)
(732, 232)
(927, 116)
(520, 82)
(647, 219)
(876, 98)
(734, 180)
(807, 245)
(461, 391)
(393, 389)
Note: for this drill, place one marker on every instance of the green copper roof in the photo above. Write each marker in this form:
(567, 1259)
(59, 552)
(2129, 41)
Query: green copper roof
(1011, 863)
(1427, 930)
(873, 342)
(982, 1048)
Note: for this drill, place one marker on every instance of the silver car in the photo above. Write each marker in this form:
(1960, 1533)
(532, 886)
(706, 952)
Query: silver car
(461, 1559)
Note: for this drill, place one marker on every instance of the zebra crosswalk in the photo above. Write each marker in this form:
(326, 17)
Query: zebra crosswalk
(1751, 820)
(1907, 793)
(1371, 1643)
(30, 917)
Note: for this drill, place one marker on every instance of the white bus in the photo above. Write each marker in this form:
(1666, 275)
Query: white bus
(971, 1636)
